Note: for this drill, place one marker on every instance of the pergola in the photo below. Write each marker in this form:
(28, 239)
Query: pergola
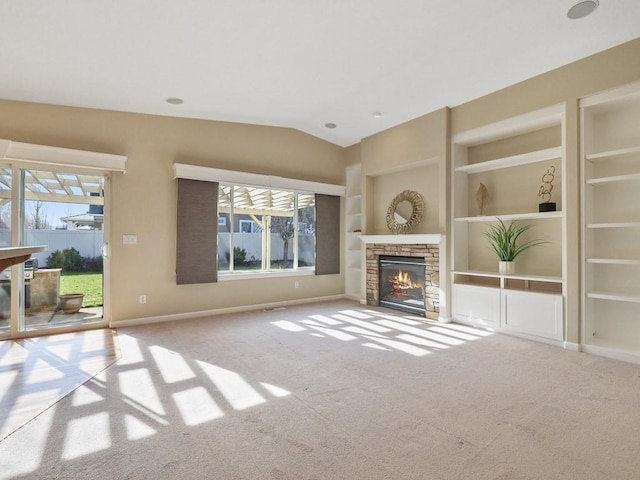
(47, 186)
(261, 201)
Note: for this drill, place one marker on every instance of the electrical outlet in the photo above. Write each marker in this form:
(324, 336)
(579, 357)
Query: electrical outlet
(296, 284)
(143, 299)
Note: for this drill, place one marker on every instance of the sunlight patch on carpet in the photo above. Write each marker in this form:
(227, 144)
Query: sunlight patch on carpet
(196, 406)
(86, 435)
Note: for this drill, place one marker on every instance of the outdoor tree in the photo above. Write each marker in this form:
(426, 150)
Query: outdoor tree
(5, 216)
(38, 218)
(284, 227)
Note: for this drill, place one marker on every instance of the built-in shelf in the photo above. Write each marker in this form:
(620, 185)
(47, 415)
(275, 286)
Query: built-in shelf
(612, 153)
(610, 251)
(511, 216)
(533, 278)
(614, 225)
(614, 261)
(353, 229)
(531, 302)
(616, 178)
(512, 161)
(620, 297)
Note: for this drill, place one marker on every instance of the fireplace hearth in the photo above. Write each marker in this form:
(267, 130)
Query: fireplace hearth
(402, 283)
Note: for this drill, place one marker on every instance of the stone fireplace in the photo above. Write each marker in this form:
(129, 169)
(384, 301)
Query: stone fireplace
(385, 246)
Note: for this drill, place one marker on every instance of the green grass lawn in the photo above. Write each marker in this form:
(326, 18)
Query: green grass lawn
(88, 283)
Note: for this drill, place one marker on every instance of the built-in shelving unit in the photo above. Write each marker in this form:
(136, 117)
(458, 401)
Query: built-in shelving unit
(610, 151)
(510, 158)
(353, 230)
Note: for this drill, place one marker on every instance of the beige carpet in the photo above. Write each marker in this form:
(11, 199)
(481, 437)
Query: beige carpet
(336, 391)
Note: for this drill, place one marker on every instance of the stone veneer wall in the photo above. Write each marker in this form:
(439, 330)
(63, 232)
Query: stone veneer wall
(431, 255)
(45, 289)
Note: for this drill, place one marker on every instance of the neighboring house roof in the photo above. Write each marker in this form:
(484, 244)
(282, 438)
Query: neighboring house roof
(94, 220)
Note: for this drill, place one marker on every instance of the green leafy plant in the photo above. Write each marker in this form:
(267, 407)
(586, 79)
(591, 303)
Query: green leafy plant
(503, 240)
(69, 260)
(239, 256)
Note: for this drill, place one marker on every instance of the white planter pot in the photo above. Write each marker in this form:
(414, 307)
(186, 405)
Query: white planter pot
(506, 268)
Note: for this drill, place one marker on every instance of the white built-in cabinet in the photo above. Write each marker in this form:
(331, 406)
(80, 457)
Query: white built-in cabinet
(353, 230)
(510, 158)
(611, 223)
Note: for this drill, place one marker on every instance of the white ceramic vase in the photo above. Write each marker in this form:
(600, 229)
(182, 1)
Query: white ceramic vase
(506, 268)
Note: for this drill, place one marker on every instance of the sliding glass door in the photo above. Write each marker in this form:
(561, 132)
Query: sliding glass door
(61, 287)
(5, 241)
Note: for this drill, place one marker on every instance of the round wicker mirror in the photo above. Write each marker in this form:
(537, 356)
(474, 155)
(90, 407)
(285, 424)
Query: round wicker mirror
(405, 212)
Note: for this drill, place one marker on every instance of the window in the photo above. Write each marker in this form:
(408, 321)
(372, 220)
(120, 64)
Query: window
(268, 229)
(293, 231)
(249, 226)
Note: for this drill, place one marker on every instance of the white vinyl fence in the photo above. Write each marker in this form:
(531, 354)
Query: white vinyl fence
(87, 242)
(252, 244)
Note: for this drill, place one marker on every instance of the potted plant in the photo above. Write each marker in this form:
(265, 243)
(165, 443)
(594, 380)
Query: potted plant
(71, 302)
(503, 240)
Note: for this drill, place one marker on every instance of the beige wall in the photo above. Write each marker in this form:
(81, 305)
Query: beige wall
(143, 201)
(410, 156)
(352, 155)
(605, 70)
(405, 145)
(384, 188)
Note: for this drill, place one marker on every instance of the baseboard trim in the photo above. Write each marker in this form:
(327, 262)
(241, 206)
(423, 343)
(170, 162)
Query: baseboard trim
(219, 311)
(610, 353)
(574, 347)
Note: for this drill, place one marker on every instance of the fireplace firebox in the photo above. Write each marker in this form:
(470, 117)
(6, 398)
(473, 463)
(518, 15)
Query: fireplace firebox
(402, 283)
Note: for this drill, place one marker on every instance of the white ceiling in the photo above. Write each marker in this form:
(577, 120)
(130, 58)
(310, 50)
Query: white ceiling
(292, 63)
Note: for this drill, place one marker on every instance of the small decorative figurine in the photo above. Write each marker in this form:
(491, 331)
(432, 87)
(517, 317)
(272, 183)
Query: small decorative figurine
(545, 191)
(481, 197)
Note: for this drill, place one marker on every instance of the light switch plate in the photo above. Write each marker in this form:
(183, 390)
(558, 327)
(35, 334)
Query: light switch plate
(129, 239)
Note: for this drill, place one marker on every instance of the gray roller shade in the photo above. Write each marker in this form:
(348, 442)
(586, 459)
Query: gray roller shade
(327, 234)
(197, 236)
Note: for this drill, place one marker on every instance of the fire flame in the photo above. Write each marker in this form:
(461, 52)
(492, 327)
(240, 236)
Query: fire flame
(402, 281)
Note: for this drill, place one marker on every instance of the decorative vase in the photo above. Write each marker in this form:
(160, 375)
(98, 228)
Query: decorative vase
(71, 302)
(506, 268)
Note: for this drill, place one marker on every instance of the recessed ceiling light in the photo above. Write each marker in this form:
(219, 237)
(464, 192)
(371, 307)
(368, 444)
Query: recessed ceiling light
(582, 9)
(175, 101)
(376, 114)
(330, 125)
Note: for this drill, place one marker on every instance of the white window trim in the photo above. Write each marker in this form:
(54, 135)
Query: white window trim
(224, 276)
(64, 157)
(207, 174)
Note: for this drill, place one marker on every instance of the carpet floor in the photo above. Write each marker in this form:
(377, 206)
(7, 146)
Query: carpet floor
(336, 390)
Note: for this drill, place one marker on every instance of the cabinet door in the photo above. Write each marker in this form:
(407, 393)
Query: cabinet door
(478, 306)
(531, 313)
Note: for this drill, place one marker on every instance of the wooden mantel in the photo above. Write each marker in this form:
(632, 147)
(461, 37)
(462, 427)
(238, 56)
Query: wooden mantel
(12, 255)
